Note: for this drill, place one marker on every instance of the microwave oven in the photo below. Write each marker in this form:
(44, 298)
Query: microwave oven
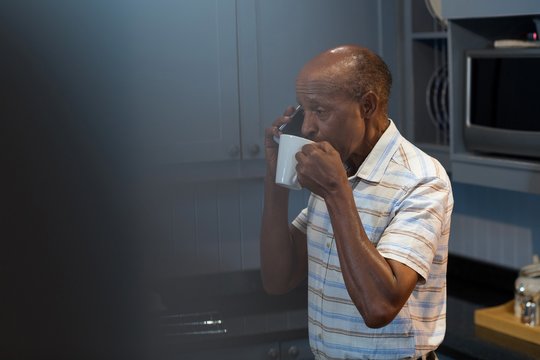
(503, 101)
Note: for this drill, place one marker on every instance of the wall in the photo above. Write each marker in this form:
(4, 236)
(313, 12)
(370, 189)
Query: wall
(496, 226)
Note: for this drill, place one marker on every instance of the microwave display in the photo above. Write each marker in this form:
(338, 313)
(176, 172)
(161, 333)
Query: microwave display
(505, 93)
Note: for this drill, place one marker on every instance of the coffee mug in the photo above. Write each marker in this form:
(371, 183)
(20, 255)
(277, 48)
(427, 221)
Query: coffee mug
(286, 175)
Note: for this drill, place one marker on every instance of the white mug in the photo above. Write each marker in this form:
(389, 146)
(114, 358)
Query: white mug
(289, 145)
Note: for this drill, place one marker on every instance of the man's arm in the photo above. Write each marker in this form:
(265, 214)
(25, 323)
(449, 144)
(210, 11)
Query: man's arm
(283, 246)
(379, 287)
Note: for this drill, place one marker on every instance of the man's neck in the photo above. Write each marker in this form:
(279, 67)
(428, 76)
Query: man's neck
(372, 136)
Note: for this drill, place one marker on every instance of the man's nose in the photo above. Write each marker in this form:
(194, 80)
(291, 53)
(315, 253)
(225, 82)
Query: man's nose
(309, 126)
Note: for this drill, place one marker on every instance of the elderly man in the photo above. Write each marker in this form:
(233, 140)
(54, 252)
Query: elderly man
(373, 240)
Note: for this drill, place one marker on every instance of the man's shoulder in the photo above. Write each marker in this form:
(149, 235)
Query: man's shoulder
(417, 164)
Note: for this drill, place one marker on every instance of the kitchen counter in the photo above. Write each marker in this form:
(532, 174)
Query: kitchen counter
(464, 340)
(232, 311)
(474, 285)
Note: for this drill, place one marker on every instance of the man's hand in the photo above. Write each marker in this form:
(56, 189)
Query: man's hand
(320, 168)
(271, 147)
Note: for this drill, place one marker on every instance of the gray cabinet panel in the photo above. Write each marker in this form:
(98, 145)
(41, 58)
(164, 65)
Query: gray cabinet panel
(184, 86)
(206, 77)
(248, 352)
(459, 9)
(296, 350)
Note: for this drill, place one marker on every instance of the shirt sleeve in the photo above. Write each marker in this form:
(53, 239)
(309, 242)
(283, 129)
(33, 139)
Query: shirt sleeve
(413, 234)
(301, 221)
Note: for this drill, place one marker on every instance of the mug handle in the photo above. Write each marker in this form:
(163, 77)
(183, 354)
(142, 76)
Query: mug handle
(295, 180)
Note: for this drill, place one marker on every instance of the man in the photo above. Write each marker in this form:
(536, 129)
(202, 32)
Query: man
(373, 240)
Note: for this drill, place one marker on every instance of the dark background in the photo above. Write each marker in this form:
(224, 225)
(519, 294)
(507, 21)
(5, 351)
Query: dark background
(73, 284)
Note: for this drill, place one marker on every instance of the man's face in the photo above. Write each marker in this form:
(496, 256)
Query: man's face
(330, 114)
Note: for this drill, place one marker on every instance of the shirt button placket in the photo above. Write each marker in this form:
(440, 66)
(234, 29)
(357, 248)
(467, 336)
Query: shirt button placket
(328, 251)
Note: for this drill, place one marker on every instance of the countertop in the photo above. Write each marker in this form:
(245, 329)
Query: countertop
(225, 310)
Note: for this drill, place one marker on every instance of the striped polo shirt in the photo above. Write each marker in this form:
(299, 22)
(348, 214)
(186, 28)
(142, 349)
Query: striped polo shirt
(404, 199)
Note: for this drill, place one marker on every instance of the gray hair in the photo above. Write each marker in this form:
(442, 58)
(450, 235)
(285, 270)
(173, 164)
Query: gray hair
(365, 71)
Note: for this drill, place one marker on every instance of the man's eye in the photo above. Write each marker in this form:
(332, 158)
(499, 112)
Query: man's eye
(318, 112)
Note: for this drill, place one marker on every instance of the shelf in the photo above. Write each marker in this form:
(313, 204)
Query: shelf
(499, 161)
(429, 35)
(421, 18)
(496, 172)
(466, 9)
(426, 100)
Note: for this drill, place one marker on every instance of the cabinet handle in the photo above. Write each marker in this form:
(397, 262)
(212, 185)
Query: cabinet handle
(293, 352)
(234, 151)
(273, 353)
(254, 149)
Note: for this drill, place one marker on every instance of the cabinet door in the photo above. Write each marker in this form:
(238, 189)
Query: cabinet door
(296, 350)
(266, 351)
(276, 38)
(183, 78)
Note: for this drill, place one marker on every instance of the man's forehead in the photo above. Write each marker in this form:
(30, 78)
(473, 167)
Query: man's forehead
(317, 86)
(319, 81)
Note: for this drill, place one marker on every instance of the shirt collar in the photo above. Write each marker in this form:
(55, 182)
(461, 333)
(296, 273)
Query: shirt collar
(373, 168)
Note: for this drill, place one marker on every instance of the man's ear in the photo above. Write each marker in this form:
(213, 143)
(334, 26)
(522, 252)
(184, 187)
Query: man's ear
(368, 104)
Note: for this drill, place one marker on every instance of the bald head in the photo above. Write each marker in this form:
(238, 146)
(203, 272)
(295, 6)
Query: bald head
(353, 70)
